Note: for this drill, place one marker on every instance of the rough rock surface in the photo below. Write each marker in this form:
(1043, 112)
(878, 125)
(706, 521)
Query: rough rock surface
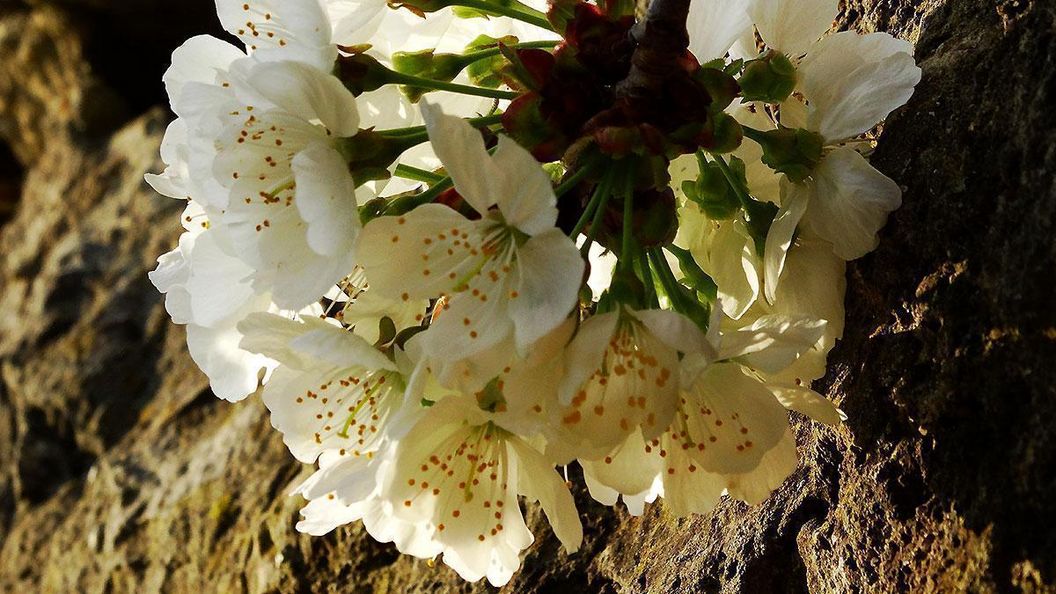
(119, 472)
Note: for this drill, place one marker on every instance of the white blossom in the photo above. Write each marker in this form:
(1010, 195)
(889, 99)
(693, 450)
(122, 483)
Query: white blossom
(507, 274)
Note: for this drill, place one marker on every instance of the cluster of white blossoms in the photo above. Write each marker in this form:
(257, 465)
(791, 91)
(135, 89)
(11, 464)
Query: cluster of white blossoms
(459, 253)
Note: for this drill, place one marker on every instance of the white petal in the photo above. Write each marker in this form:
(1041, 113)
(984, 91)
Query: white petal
(732, 266)
(630, 469)
(602, 264)
(633, 384)
(791, 26)
(202, 59)
(233, 373)
(339, 347)
(473, 322)
(354, 21)
(416, 539)
(303, 281)
(598, 490)
(299, 90)
(851, 203)
(586, 352)
(774, 467)
(676, 331)
(326, 199)
(322, 409)
(170, 277)
(218, 283)
(349, 480)
(733, 418)
(808, 402)
(715, 25)
(322, 516)
(779, 239)
(414, 256)
(460, 148)
(521, 189)
(772, 342)
(281, 29)
(174, 182)
(270, 335)
(690, 489)
(549, 271)
(540, 482)
(853, 82)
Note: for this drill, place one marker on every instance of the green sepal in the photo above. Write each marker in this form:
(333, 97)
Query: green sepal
(722, 87)
(626, 289)
(560, 12)
(721, 134)
(426, 64)
(386, 332)
(770, 78)
(369, 154)
(712, 193)
(361, 73)
(490, 398)
(793, 151)
(486, 72)
(694, 275)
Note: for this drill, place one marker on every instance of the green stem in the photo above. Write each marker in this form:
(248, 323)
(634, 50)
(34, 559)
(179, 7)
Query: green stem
(409, 80)
(416, 174)
(601, 194)
(742, 194)
(409, 203)
(595, 223)
(754, 135)
(667, 279)
(626, 259)
(480, 122)
(758, 216)
(567, 185)
(514, 10)
(648, 280)
(484, 54)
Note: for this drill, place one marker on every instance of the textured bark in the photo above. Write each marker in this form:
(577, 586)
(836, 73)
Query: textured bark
(662, 39)
(120, 472)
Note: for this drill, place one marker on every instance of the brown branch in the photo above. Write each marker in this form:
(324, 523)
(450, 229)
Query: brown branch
(662, 39)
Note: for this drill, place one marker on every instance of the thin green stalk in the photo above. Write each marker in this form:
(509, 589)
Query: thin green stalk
(628, 229)
(416, 174)
(480, 122)
(514, 10)
(409, 80)
(667, 279)
(595, 223)
(600, 195)
(755, 135)
(577, 177)
(648, 280)
(757, 215)
(742, 194)
(484, 54)
(626, 259)
(409, 203)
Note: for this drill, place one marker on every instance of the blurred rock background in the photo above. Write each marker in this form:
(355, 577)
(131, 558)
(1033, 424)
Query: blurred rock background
(120, 472)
